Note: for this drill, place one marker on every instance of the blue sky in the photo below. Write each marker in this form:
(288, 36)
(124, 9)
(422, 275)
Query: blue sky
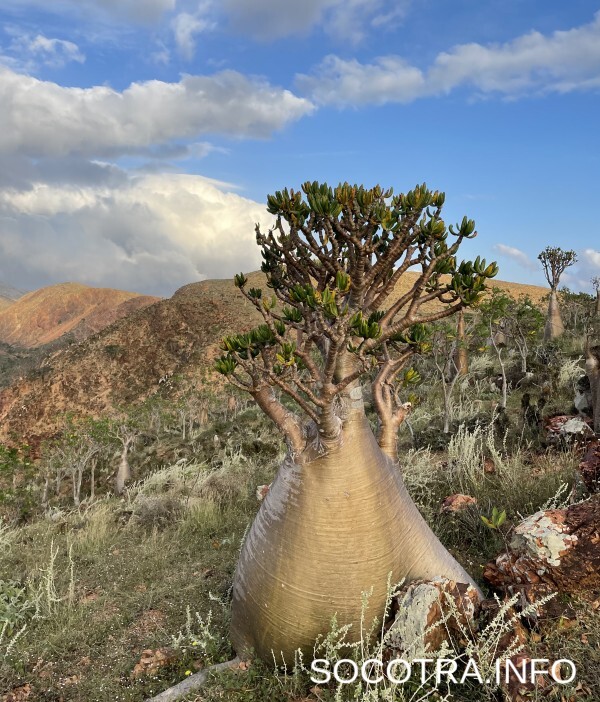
(139, 138)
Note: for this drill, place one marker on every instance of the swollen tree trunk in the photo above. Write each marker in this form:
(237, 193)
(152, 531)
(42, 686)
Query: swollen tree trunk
(592, 369)
(331, 527)
(554, 324)
(598, 303)
(124, 470)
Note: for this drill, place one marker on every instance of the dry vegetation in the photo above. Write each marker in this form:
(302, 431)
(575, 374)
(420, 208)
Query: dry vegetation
(122, 597)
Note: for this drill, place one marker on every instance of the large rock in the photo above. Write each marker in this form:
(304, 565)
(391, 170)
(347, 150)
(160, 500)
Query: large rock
(566, 428)
(429, 614)
(555, 550)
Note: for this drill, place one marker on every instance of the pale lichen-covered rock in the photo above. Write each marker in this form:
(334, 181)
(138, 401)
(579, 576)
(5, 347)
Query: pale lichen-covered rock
(566, 428)
(552, 551)
(430, 613)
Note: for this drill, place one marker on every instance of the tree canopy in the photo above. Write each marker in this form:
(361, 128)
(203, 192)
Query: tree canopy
(333, 261)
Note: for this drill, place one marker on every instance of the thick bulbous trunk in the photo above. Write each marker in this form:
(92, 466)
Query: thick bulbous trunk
(554, 324)
(592, 369)
(598, 303)
(330, 528)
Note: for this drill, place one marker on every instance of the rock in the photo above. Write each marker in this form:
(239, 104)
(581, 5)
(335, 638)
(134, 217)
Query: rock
(261, 492)
(590, 466)
(555, 550)
(457, 503)
(429, 614)
(583, 402)
(566, 427)
(151, 661)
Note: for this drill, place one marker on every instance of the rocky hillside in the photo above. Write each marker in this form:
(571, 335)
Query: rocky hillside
(45, 315)
(124, 363)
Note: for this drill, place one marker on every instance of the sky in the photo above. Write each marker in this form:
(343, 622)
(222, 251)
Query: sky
(139, 138)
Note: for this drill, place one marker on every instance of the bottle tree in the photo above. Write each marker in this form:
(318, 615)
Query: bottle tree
(596, 283)
(338, 521)
(555, 261)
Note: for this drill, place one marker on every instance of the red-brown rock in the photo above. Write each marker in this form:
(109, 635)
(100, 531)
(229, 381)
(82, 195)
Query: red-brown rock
(553, 551)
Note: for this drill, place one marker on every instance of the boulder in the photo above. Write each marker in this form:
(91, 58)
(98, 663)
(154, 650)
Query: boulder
(555, 550)
(568, 428)
(429, 613)
(457, 503)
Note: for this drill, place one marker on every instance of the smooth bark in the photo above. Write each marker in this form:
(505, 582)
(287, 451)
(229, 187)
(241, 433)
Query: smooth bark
(554, 324)
(592, 369)
(331, 527)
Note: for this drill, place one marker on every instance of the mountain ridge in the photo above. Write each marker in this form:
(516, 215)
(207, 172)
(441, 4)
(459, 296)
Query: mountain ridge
(124, 363)
(42, 316)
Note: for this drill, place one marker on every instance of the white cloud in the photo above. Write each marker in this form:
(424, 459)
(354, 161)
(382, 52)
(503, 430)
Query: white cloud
(516, 255)
(350, 83)
(186, 26)
(561, 62)
(51, 52)
(143, 11)
(345, 19)
(149, 233)
(41, 118)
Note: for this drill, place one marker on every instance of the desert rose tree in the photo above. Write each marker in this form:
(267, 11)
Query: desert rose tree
(338, 521)
(596, 284)
(555, 262)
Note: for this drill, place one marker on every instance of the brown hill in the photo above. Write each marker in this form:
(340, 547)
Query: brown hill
(43, 316)
(5, 302)
(124, 363)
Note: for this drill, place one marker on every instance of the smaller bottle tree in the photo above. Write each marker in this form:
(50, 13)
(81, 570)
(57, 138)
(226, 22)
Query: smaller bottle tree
(555, 262)
(596, 284)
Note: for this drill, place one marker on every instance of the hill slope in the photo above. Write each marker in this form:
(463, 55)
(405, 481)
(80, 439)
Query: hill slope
(124, 363)
(7, 292)
(43, 316)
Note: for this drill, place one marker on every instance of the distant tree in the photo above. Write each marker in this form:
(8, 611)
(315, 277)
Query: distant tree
(523, 325)
(493, 322)
(126, 433)
(576, 310)
(596, 284)
(554, 262)
(338, 519)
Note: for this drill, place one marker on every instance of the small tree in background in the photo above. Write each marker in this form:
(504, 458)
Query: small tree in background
(493, 320)
(554, 262)
(338, 520)
(523, 325)
(596, 284)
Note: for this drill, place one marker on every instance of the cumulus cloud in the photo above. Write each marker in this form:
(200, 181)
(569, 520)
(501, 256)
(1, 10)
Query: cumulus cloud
(149, 233)
(350, 83)
(588, 267)
(144, 11)
(41, 118)
(347, 19)
(30, 50)
(561, 62)
(516, 255)
(186, 26)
